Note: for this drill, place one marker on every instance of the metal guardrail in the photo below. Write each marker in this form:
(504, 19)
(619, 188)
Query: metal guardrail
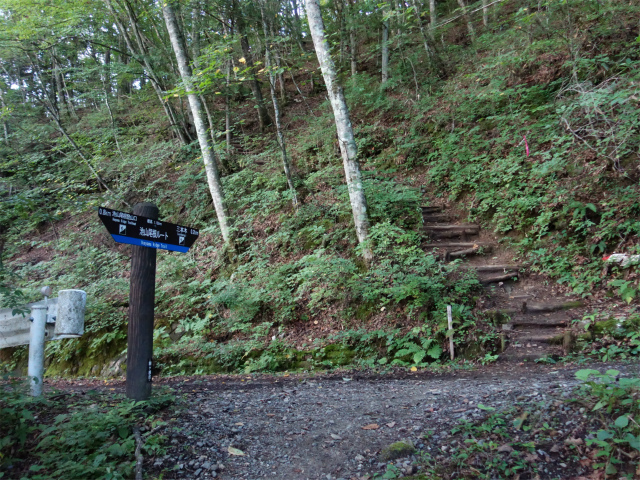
(15, 329)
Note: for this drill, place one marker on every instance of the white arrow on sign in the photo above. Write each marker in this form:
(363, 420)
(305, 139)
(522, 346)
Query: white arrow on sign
(15, 329)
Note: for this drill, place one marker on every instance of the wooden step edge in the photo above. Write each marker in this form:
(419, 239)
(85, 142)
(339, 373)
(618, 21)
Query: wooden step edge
(458, 245)
(514, 324)
(462, 253)
(513, 356)
(462, 226)
(556, 339)
(497, 268)
(432, 208)
(499, 278)
(553, 307)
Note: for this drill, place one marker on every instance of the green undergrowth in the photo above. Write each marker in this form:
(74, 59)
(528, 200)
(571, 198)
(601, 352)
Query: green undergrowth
(530, 439)
(298, 274)
(76, 435)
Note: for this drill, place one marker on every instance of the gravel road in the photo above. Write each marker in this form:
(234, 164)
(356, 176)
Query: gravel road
(333, 427)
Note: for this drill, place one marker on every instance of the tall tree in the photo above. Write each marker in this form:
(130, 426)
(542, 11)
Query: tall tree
(142, 55)
(208, 153)
(263, 114)
(385, 46)
(346, 139)
(433, 14)
(467, 18)
(276, 107)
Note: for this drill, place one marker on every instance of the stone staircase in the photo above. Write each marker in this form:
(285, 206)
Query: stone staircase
(535, 317)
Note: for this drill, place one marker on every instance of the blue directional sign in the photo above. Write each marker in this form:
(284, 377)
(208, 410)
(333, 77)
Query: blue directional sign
(147, 232)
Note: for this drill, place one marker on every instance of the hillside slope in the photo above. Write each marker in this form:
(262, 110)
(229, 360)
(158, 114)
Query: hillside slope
(533, 133)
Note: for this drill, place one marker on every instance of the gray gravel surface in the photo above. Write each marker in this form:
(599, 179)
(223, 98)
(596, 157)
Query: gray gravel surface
(312, 427)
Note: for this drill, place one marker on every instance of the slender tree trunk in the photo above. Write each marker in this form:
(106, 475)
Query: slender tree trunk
(107, 72)
(5, 127)
(429, 45)
(143, 58)
(208, 152)
(344, 129)
(263, 115)
(276, 108)
(467, 17)
(385, 48)
(276, 55)
(433, 14)
(353, 41)
(227, 110)
(340, 14)
(485, 12)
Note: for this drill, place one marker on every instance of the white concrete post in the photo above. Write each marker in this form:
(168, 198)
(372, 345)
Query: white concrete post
(70, 318)
(36, 348)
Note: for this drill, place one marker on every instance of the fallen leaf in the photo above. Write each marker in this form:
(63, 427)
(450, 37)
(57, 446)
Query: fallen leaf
(371, 426)
(240, 424)
(520, 420)
(235, 451)
(391, 424)
(271, 414)
(414, 369)
(336, 437)
(574, 441)
(531, 457)
(506, 448)
(556, 448)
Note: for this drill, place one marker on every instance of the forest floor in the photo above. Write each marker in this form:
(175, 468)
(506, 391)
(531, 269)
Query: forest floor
(335, 426)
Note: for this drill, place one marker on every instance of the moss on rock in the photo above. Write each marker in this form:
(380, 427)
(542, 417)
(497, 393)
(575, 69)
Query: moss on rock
(396, 450)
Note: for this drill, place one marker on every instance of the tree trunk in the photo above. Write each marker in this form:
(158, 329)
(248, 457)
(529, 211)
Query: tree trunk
(263, 115)
(5, 129)
(276, 108)
(429, 45)
(467, 17)
(346, 139)
(433, 14)
(227, 111)
(208, 152)
(353, 42)
(385, 48)
(485, 12)
(143, 58)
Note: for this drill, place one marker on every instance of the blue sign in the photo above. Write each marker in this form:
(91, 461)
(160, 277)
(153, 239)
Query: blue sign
(147, 232)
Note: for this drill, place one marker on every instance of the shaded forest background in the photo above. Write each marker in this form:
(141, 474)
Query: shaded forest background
(522, 115)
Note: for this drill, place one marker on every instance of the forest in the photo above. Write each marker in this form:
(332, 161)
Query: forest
(418, 237)
(305, 141)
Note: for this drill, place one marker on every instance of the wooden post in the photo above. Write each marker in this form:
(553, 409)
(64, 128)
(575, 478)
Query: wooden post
(142, 291)
(450, 321)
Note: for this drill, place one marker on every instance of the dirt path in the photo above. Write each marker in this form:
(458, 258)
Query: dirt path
(312, 427)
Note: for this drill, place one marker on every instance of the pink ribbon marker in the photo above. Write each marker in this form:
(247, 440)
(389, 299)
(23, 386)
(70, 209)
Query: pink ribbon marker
(526, 145)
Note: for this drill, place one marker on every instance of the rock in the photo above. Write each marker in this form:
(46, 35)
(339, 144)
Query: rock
(359, 458)
(396, 450)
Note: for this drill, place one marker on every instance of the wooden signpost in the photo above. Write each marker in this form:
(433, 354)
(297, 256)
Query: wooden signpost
(146, 233)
